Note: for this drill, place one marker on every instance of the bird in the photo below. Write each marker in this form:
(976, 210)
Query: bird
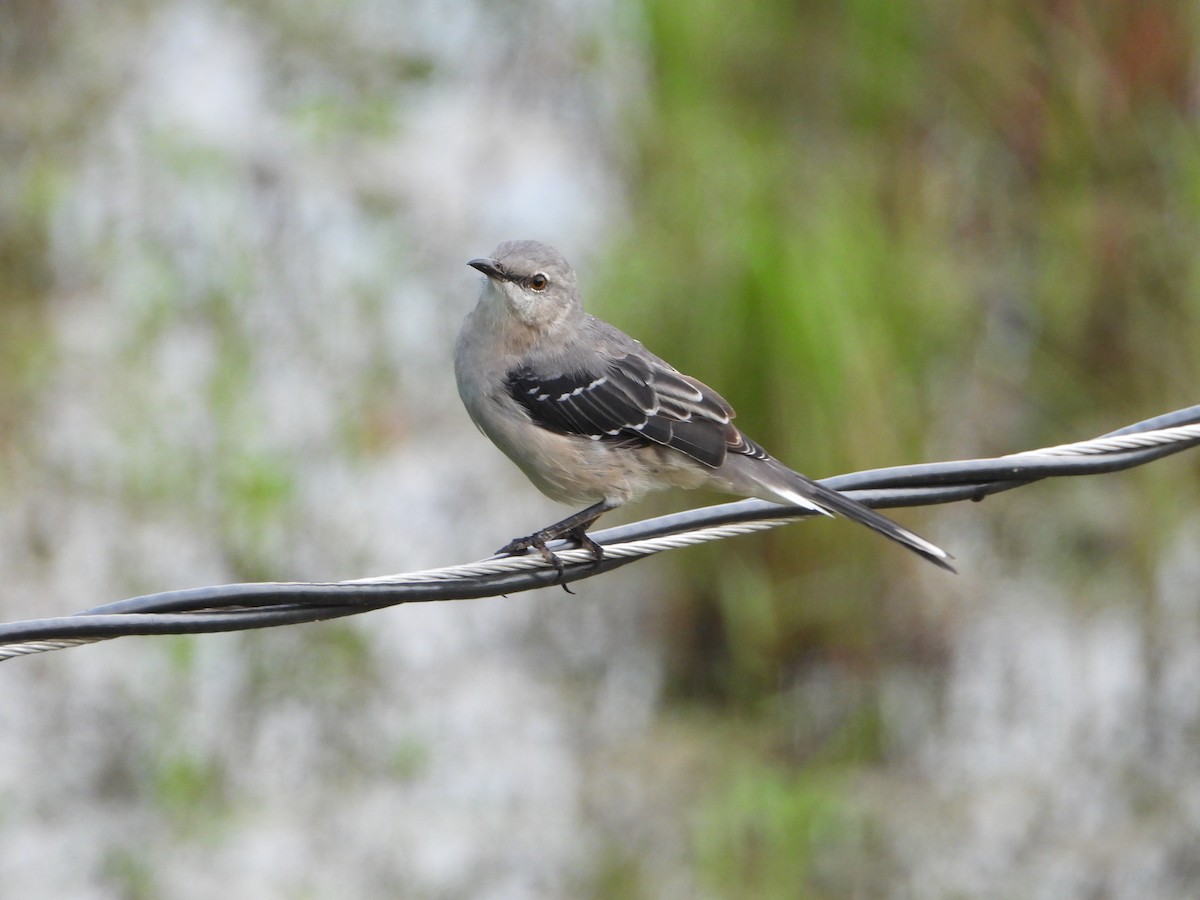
(591, 416)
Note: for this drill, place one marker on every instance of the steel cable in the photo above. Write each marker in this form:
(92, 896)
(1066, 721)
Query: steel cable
(237, 607)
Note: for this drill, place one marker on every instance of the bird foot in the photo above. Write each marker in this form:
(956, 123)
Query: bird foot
(537, 541)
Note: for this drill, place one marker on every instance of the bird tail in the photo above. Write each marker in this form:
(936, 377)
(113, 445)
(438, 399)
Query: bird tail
(792, 487)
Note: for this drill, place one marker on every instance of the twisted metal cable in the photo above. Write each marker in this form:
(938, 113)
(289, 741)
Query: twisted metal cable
(238, 607)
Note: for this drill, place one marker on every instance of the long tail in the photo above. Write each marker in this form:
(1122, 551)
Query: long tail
(792, 487)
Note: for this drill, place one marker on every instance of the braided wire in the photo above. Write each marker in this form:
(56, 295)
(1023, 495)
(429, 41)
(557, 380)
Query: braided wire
(245, 606)
(1116, 443)
(628, 550)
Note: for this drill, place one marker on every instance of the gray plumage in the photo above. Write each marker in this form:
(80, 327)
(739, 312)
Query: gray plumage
(592, 416)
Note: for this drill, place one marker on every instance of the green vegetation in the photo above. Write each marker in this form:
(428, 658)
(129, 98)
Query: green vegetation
(889, 229)
(892, 232)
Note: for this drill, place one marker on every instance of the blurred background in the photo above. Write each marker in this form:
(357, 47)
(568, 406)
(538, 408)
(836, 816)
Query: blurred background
(232, 264)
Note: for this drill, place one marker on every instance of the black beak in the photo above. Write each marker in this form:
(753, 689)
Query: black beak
(488, 267)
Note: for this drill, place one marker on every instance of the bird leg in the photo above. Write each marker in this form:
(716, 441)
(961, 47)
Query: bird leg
(573, 528)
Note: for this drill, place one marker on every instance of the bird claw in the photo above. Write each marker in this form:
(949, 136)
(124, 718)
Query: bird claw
(537, 541)
(586, 543)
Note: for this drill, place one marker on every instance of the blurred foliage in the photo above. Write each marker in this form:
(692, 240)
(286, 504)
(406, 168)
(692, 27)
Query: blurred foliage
(887, 231)
(768, 832)
(28, 191)
(891, 232)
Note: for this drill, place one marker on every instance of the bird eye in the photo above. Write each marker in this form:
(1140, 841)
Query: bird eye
(538, 282)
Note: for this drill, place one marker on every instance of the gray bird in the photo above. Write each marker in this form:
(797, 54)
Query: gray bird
(592, 416)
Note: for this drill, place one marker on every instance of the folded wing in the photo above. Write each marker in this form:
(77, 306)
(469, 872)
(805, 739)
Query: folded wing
(634, 396)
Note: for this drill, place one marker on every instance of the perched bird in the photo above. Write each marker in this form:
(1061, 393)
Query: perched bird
(592, 416)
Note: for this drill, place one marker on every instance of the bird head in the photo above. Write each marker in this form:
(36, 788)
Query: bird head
(533, 281)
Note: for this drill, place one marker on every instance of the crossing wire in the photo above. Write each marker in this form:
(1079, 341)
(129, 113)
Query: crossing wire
(236, 607)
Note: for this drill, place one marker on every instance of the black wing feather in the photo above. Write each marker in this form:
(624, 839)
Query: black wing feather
(634, 398)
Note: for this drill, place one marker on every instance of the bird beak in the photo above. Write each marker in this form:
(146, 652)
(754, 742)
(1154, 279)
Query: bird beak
(488, 267)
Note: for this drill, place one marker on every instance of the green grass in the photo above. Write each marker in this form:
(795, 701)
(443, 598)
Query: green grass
(859, 221)
(883, 229)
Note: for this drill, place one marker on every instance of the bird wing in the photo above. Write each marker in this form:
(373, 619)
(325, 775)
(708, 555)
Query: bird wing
(634, 396)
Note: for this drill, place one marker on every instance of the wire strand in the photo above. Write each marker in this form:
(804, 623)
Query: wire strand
(237, 607)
